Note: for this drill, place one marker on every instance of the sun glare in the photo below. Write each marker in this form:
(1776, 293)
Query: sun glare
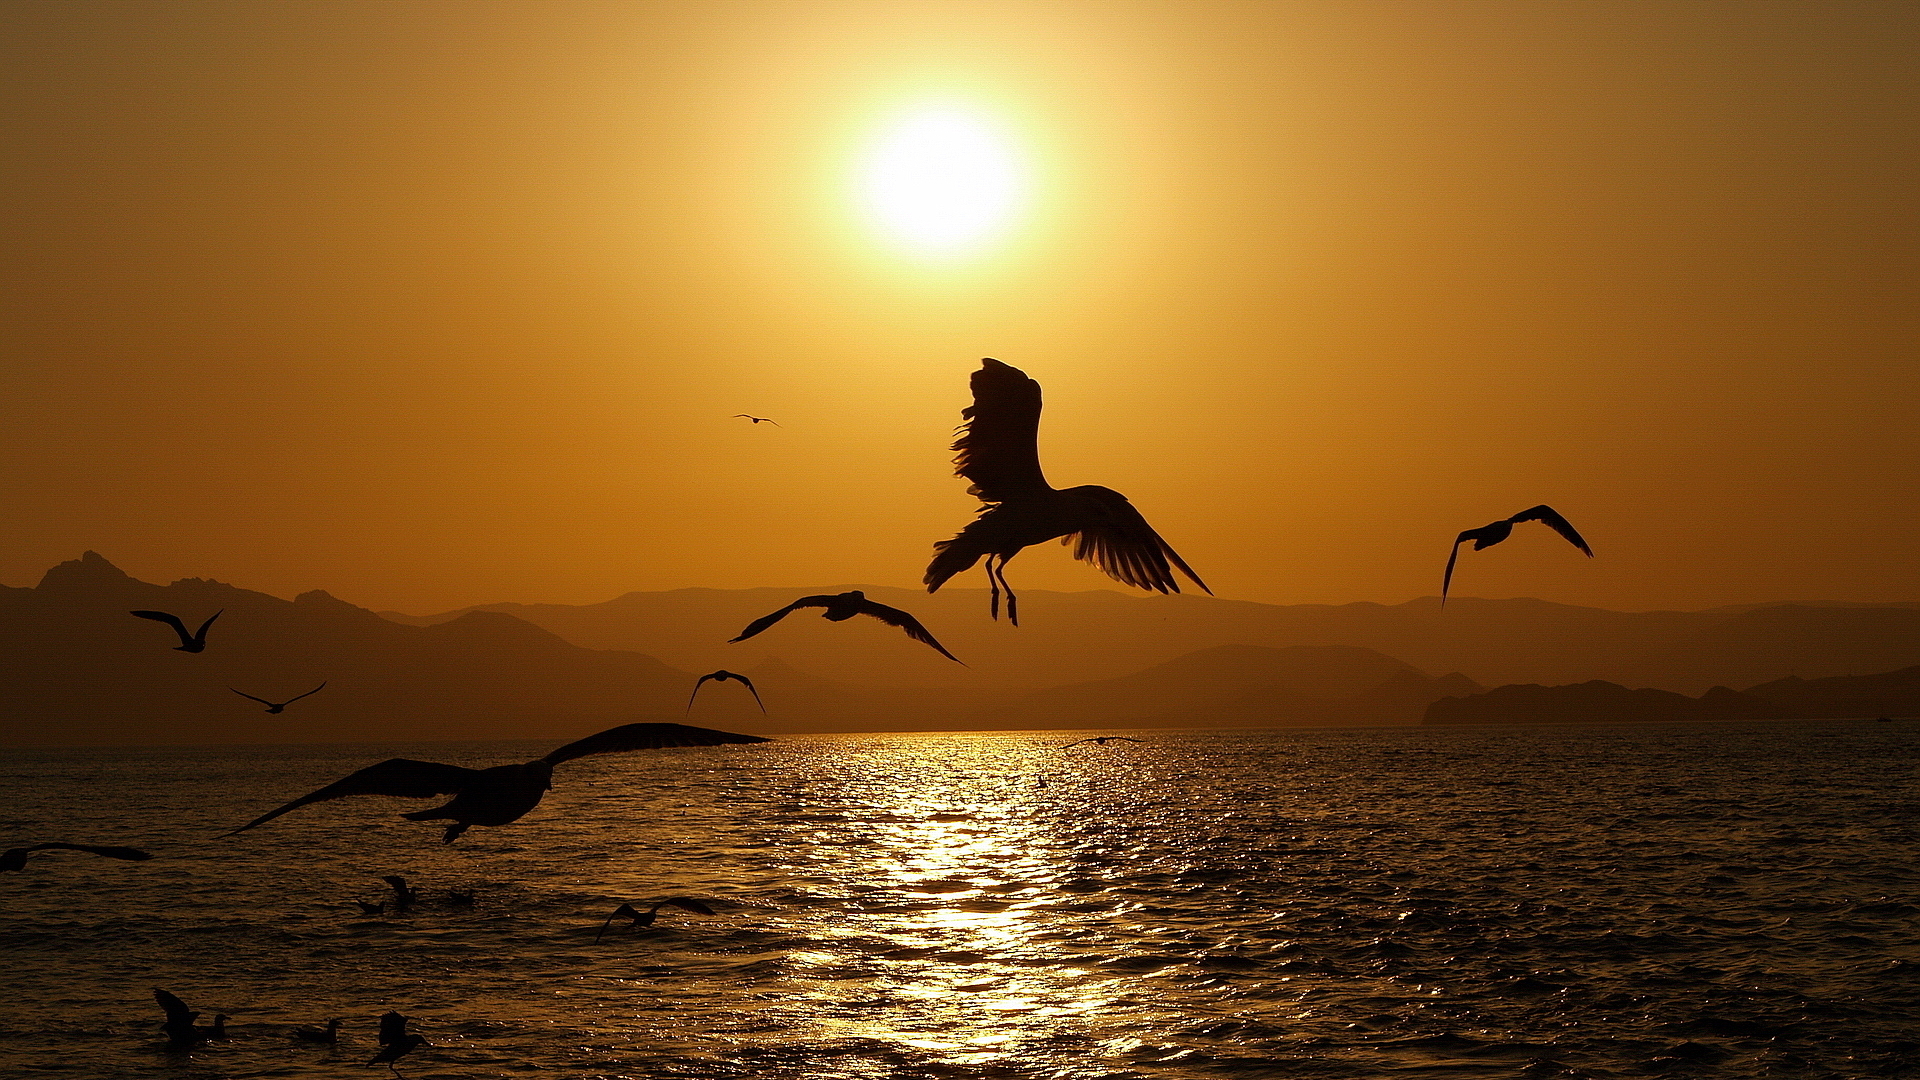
(942, 181)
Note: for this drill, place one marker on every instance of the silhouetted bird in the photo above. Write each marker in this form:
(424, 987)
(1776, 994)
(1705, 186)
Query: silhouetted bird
(1102, 740)
(503, 793)
(843, 606)
(403, 897)
(329, 1034)
(279, 707)
(1488, 535)
(645, 918)
(758, 419)
(723, 676)
(394, 1051)
(458, 898)
(393, 1027)
(16, 858)
(179, 1026)
(377, 907)
(194, 642)
(999, 452)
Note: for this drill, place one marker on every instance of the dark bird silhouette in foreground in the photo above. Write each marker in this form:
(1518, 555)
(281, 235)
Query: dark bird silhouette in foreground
(998, 451)
(180, 1029)
(279, 706)
(403, 897)
(499, 795)
(1488, 535)
(645, 918)
(16, 858)
(396, 1050)
(758, 419)
(329, 1034)
(722, 676)
(843, 606)
(1102, 740)
(194, 642)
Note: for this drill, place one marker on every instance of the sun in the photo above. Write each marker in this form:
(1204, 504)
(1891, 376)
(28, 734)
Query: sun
(942, 181)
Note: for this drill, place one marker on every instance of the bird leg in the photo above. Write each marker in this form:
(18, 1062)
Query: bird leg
(993, 583)
(999, 571)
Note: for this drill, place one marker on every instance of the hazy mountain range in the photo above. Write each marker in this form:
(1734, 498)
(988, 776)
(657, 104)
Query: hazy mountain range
(83, 670)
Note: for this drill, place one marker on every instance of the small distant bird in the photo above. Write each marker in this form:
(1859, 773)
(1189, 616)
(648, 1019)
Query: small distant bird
(194, 642)
(843, 606)
(459, 898)
(377, 907)
(999, 453)
(1102, 740)
(180, 1029)
(396, 1050)
(281, 706)
(16, 858)
(393, 1027)
(329, 1034)
(403, 897)
(758, 419)
(499, 795)
(723, 676)
(645, 918)
(1488, 535)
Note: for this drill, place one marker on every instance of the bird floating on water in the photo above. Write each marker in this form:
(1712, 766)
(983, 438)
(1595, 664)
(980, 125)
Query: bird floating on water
(645, 918)
(998, 451)
(722, 676)
(1102, 740)
(502, 794)
(1488, 535)
(276, 707)
(373, 907)
(194, 642)
(757, 419)
(329, 1034)
(180, 1029)
(843, 606)
(16, 858)
(461, 897)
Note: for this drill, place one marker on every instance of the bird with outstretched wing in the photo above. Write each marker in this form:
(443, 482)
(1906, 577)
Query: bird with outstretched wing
(16, 858)
(723, 676)
(1494, 532)
(843, 606)
(194, 642)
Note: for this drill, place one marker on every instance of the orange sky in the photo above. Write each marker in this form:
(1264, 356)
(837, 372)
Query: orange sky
(434, 303)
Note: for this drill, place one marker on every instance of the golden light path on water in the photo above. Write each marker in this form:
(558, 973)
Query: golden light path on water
(942, 180)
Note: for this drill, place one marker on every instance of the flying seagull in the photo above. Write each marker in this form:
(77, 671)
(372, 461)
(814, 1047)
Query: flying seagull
(1488, 535)
(1102, 740)
(843, 606)
(180, 1029)
(758, 419)
(194, 642)
(16, 858)
(722, 676)
(998, 451)
(279, 707)
(502, 794)
(645, 918)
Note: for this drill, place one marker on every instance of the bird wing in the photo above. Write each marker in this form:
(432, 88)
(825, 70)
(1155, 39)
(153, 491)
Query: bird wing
(250, 697)
(127, 853)
(765, 621)
(171, 620)
(1551, 518)
(685, 904)
(1446, 579)
(696, 689)
(1118, 540)
(893, 616)
(309, 693)
(645, 737)
(623, 909)
(400, 777)
(393, 1027)
(748, 683)
(201, 634)
(177, 1011)
(998, 448)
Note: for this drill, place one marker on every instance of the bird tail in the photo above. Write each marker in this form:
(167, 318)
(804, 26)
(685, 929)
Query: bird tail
(954, 556)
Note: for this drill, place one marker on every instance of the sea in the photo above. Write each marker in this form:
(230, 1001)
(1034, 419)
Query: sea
(1711, 900)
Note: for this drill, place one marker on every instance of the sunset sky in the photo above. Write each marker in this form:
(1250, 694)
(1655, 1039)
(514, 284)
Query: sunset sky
(437, 303)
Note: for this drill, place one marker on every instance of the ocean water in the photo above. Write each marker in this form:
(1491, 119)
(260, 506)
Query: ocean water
(1735, 900)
